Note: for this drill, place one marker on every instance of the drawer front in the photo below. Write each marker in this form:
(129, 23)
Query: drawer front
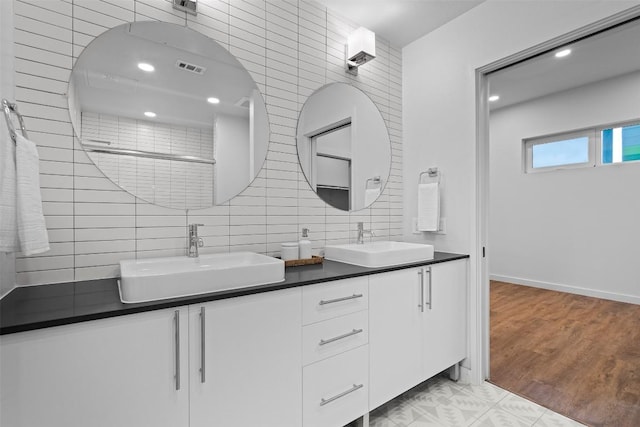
(334, 336)
(336, 390)
(332, 299)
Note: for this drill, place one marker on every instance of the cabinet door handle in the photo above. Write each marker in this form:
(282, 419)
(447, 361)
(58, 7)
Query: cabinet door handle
(176, 316)
(338, 396)
(202, 345)
(339, 337)
(427, 271)
(331, 301)
(421, 274)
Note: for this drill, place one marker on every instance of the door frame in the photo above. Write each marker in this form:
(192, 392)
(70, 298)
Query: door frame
(482, 326)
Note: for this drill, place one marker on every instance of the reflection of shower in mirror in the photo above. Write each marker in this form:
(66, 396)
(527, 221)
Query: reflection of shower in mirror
(208, 135)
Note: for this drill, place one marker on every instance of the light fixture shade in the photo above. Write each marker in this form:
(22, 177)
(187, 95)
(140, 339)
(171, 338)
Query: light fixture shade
(361, 46)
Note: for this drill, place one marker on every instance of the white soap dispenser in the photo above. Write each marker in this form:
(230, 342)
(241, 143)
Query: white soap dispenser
(304, 245)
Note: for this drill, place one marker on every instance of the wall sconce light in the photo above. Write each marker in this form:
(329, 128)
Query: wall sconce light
(361, 48)
(189, 6)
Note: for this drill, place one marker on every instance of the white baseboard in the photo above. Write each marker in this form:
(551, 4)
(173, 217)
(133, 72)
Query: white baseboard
(568, 289)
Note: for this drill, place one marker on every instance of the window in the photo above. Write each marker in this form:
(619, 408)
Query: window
(620, 143)
(568, 150)
(616, 143)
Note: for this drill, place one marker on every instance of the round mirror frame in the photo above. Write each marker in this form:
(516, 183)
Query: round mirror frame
(334, 123)
(206, 172)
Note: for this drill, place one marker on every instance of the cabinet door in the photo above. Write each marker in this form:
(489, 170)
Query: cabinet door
(252, 361)
(395, 329)
(445, 332)
(110, 372)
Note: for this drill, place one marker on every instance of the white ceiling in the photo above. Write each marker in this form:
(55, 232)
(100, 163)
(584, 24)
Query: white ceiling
(603, 56)
(600, 57)
(400, 21)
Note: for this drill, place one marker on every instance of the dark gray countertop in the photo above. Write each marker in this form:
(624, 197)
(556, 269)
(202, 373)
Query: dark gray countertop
(35, 307)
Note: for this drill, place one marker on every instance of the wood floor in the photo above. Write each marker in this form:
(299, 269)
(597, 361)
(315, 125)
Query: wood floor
(575, 355)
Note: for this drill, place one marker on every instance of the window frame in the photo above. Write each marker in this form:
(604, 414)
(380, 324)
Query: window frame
(529, 143)
(599, 130)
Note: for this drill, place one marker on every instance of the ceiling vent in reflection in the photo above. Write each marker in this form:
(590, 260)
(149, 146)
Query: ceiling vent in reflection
(243, 102)
(184, 65)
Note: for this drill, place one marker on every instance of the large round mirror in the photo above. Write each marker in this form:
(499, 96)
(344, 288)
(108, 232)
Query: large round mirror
(343, 146)
(168, 115)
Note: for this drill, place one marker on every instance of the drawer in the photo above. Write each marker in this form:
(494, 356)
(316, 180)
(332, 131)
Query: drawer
(332, 299)
(335, 391)
(334, 336)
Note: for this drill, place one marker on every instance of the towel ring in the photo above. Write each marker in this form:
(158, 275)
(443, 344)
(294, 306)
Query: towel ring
(432, 172)
(8, 108)
(375, 181)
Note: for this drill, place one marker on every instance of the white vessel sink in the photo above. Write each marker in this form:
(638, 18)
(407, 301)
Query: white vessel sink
(160, 278)
(379, 254)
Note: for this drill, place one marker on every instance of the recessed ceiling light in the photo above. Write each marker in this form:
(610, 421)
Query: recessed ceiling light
(493, 98)
(563, 53)
(213, 100)
(149, 114)
(146, 67)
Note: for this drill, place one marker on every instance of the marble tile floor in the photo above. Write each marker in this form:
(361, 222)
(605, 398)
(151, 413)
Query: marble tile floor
(440, 402)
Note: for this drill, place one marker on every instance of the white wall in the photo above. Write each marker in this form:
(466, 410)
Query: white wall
(289, 47)
(573, 230)
(439, 114)
(7, 261)
(232, 156)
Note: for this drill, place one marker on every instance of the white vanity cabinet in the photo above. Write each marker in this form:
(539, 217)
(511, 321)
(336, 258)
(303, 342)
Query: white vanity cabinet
(320, 355)
(335, 334)
(417, 326)
(445, 335)
(250, 349)
(119, 371)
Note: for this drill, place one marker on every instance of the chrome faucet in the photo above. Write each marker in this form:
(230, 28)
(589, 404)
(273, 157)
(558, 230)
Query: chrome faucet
(195, 242)
(362, 232)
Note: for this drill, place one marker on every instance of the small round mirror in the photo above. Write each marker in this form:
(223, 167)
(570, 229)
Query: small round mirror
(343, 146)
(168, 114)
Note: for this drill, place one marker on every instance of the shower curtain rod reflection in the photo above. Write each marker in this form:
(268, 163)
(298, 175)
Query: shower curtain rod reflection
(146, 154)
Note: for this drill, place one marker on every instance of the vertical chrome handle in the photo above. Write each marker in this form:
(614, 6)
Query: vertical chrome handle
(421, 274)
(428, 301)
(202, 345)
(176, 316)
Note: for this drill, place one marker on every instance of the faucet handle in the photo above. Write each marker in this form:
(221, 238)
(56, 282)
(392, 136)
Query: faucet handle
(200, 242)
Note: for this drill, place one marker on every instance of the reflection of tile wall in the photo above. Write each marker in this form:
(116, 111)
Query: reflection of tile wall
(167, 183)
(290, 47)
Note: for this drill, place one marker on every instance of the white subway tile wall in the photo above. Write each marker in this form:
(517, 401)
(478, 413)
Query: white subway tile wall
(163, 182)
(290, 48)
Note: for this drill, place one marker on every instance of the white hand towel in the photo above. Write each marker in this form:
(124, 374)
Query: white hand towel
(428, 207)
(8, 222)
(32, 231)
(370, 196)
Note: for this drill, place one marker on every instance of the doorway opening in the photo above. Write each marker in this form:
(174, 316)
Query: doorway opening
(534, 234)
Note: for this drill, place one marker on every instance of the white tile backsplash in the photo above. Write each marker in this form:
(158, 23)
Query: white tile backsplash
(290, 47)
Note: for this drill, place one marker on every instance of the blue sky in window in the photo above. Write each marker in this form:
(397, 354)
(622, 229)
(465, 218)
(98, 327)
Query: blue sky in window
(558, 153)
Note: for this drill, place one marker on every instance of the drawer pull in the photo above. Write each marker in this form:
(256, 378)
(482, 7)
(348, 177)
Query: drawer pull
(338, 396)
(331, 301)
(339, 337)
